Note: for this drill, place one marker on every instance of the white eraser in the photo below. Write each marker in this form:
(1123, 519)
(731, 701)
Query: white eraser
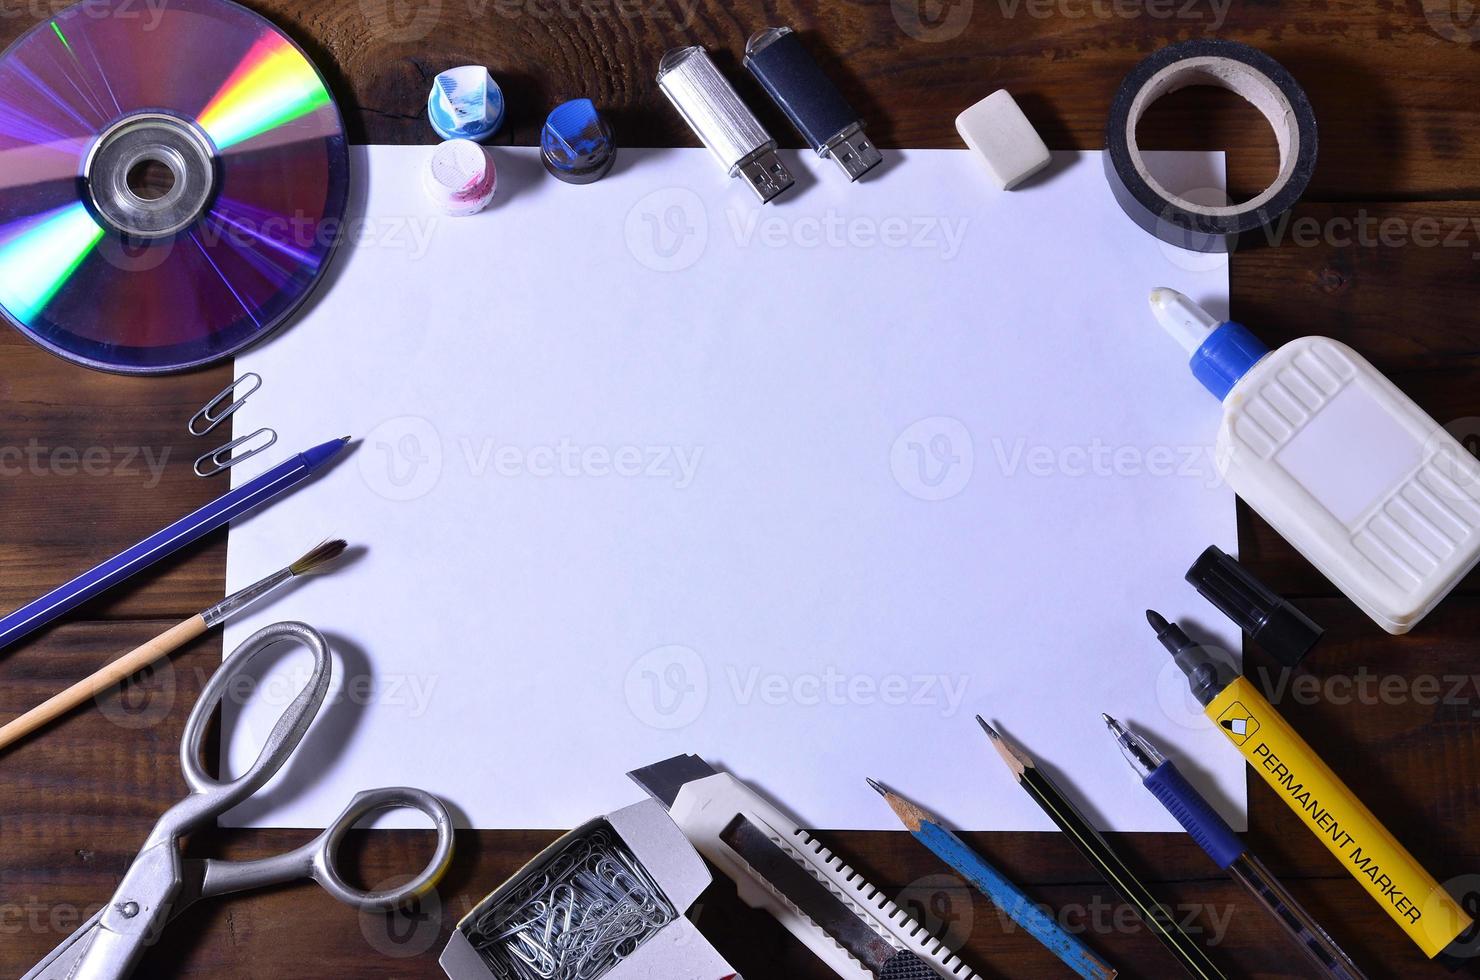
(996, 129)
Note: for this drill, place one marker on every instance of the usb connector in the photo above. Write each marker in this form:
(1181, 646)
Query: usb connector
(766, 174)
(854, 152)
(794, 80)
(716, 114)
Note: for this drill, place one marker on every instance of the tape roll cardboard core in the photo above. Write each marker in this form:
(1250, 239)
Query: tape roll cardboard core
(1248, 73)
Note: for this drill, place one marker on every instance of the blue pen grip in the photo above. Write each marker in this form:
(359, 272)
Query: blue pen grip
(1199, 819)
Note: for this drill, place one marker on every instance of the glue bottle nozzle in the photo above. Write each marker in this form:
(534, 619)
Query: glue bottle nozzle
(1188, 323)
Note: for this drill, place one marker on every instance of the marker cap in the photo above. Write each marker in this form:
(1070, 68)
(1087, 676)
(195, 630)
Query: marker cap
(1271, 621)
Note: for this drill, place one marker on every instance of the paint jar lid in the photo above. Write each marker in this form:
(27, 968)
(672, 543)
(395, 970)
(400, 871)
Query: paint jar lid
(576, 144)
(1271, 621)
(465, 103)
(460, 177)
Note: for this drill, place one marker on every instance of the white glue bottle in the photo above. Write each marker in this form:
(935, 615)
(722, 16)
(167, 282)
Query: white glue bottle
(1369, 488)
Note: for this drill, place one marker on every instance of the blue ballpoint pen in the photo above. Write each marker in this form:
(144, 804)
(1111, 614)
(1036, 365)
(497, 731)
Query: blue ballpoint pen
(191, 527)
(1218, 840)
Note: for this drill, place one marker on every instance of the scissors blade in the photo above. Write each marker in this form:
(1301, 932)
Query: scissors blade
(61, 963)
(118, 935)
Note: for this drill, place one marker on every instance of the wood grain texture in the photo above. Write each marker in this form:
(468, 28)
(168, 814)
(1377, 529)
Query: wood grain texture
(90, 463)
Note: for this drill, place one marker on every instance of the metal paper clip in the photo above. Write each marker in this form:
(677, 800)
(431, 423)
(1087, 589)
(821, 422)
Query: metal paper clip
(223, 458)
(213, 414)
(576, 918)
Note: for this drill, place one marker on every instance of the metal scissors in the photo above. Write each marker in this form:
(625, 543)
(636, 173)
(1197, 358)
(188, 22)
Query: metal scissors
(161, 883)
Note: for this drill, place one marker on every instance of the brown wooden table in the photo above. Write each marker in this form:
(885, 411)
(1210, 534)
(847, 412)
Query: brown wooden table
(1394, 87)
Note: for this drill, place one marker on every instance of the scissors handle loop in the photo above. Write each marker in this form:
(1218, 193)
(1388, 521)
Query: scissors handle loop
(286, 733)
(317, 858)
(326, 871)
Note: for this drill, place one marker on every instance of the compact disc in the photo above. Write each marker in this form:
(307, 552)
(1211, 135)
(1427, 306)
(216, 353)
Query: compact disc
(173, 180)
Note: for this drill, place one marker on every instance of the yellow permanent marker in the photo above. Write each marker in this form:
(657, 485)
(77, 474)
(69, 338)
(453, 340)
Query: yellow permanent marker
(1413, 899)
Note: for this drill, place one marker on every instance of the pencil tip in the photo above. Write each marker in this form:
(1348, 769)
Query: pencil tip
(876, 786)
(991, 732)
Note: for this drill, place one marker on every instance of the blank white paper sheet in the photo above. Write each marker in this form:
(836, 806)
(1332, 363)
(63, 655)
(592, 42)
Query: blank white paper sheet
(645, 468)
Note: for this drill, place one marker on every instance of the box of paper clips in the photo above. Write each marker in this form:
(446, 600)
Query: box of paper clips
(606, 901)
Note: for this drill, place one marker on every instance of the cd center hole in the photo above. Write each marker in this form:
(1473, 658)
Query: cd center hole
(150, 180)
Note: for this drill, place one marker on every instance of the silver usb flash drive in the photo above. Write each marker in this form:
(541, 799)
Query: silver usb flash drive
(713, 110)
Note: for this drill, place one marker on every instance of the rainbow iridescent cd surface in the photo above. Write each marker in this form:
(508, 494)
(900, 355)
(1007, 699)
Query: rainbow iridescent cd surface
(173, 180)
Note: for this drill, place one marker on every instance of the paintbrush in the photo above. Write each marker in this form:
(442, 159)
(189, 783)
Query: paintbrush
(167, 642)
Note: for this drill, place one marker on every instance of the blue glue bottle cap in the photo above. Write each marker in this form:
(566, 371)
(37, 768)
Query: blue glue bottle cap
(1226, 356)
(1221, 352)
(576, 144)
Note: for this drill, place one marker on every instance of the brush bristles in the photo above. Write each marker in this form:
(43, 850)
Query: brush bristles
(318, 557)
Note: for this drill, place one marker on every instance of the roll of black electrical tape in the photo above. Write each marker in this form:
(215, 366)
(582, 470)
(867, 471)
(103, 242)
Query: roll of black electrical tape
(1245, 71)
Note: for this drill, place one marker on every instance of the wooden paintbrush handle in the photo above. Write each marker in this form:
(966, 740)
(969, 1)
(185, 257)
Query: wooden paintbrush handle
(137, 659)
